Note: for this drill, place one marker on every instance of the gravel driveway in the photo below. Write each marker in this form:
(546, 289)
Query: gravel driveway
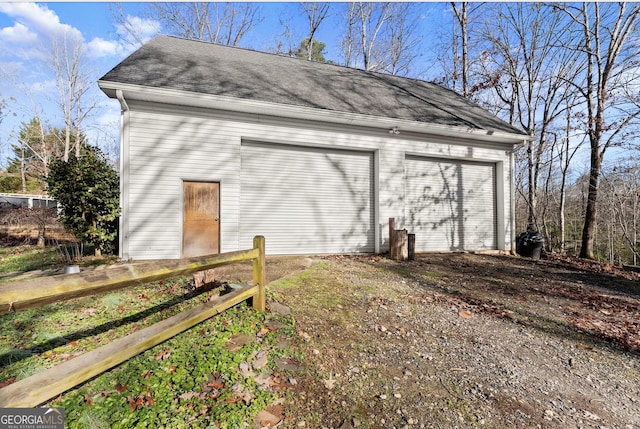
(463, 340)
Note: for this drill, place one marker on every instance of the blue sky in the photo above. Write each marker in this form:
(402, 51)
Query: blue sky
(27, 30)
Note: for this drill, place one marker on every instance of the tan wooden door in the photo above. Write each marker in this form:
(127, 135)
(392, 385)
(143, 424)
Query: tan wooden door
(201, 219)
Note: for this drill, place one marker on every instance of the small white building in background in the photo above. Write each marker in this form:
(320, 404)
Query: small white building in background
(220, 144)
(8, 201)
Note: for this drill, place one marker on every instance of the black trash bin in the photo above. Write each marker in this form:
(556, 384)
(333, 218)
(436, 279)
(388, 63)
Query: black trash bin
(529, 244)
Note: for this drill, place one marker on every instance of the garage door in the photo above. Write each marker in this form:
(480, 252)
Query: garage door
(306, 200)
(451, 205)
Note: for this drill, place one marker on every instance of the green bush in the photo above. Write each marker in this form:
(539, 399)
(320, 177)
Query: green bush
(88, 190)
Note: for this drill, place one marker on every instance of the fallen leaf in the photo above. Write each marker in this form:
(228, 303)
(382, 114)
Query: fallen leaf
(241, 394)
(465, 314)
(140, 400)
(164, 354)
(121, 387)
(304, 335)
(215, 381)
(266, 419)
(263, 381)
(246, 370)
(288, 364)
(236, 341)
(260, 360)
(329, 383)
(147, 374)
(188, 395)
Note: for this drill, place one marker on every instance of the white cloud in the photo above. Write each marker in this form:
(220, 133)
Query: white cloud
(19, 33)
(34, 28)
(144, 30)
(99, 47)
(39, 20)
(129, 34)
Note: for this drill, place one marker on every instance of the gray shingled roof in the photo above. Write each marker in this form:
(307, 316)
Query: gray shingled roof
(180, 64)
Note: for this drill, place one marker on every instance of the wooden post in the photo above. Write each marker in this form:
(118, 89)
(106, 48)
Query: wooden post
(400, 245)
(412, 247)
(392, 228)
(259, 275)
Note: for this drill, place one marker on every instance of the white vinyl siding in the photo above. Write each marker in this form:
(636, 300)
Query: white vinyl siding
(451, 204)
(306, 199)
(165, 145)
(165, 149)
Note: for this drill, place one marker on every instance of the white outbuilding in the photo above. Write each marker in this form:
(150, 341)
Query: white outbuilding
(219, 144)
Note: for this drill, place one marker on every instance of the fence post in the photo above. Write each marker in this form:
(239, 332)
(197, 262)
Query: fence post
(259, 277)
(400, 245)
(392, 229)
(412, 247)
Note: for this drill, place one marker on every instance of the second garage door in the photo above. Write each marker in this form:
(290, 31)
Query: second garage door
(451, 204)
(306, 200)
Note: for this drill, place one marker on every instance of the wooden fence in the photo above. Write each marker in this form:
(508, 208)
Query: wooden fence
(46, 385)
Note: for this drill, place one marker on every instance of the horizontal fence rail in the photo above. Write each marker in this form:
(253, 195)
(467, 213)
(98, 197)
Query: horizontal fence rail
(35, 292)
(43, 386)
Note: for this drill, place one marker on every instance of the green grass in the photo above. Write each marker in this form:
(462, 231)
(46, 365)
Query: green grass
(111, 301)
(169, 381)
(20, 259)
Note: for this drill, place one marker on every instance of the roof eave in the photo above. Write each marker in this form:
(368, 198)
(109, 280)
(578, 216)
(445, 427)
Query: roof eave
(185, 98)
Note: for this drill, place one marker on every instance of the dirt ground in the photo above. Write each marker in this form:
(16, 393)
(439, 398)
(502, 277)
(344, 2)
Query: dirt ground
(460, 341)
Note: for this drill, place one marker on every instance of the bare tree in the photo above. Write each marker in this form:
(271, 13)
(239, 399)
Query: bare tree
(130, 33)
(37, 146)
(603, 33)
(565, 155)
(348, 42)
(462, 20)
(403, 42)
(371, 18)
(315, 13)
(456, 53)
(223, 23)
(528, 73)
(72, 80)
(379, 36)
(622, 186)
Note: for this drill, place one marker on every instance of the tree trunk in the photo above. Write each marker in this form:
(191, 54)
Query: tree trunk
(23, 167)
(563, 194)
(588, 232)
(531, 218)
(463, 20)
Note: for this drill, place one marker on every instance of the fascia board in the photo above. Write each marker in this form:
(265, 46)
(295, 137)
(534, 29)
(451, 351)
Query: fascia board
(193, 99)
